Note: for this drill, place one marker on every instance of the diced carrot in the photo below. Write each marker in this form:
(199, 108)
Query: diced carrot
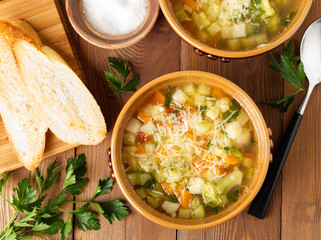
(190, 136)
(190, 3)
(159, 187)
(217, 92)
(140, 149)
(186, 199)
(189, 25)
(159, 98)
(158, 160)
(143, 138)
(230, 159)
(230, 170)
(210, 157)
(143, 117)
(250, 155)
(178, 190)
(168, 188)
(219, 170)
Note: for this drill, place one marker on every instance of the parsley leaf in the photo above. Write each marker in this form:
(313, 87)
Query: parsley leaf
(4, 179)
(120, 85)
(53, 173)
(232, 197)
(114, 210)
(66, 228)
(292, 72)
(288, 19)
(168, 97)
(87, 220)
(104, 187)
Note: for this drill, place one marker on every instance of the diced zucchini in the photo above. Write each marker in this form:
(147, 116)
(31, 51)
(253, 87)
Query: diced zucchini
(243, 118)
(239, 30)
(233, 129)
(179, 96)
(196, 185)
(129, 139)
(231, 180)
(223, 104)
(203, 89)
(227, 32)
(181, 15)
(138, 179)
(150, 147)
(204, 127)
(214, 29)
(234, 44)
(198, 213)
(170, 207)
(188, 8)
(133, 125)
(199, 100)
(212, 112)
(148, 128)
(247, 162)
(154, 194)
(213, 11)
(184, 213)
(154, 202)
(189, 89)
(201, 21)
(244, 138)
(141, 193)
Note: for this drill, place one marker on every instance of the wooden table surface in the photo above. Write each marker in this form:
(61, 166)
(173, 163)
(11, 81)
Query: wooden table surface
(295, 209)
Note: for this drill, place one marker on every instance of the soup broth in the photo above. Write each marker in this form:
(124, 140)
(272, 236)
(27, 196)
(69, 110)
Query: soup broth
(233, 24)
(189, 151)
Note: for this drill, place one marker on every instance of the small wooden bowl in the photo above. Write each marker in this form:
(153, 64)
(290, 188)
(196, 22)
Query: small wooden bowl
(176, 79)
(301, 7)
(79, 22)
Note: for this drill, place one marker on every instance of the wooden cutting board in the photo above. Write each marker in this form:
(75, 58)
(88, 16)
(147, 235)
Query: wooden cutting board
(43, 16)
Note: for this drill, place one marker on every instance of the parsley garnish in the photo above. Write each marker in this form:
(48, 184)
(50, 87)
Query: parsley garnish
(168, 97)
(173, 198)
(203, 111)
(232, 197)
(41, 216)
(120, 85)
(208, 145)
(291, 72)
(289, 18)
(216, 209)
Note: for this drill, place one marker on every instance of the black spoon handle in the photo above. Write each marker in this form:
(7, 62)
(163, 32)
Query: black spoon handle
(262, 199)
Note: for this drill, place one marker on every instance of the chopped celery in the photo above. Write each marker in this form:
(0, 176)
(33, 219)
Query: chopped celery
(181, 15)
(189, 89)
(136, 178)
(243, 118)
(230, 181)
(198, 213)
(201, 21)
(154, 194)
(188, 8)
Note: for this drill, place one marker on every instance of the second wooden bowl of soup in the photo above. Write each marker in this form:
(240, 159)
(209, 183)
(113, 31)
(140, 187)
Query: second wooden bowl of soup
(235, 28)
(190, 150)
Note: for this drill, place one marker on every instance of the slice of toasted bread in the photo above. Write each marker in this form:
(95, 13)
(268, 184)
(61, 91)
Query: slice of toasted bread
(23, 124)
(69, 109)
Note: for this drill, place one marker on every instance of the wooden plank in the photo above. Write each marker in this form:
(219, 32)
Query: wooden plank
(44, 18)
(301, 183)
(254, 76)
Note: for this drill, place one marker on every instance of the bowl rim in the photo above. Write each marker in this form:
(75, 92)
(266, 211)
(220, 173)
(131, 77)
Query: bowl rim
(127, 43)
(232, 54)
(117, 169)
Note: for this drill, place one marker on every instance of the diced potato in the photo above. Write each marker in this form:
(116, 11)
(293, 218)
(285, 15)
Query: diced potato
(150, 147)
(243, 118)
(227, 32)
(260, 38)
(214, 29)
(233, 129)
(148, 128)
(201, 21)
(189, 89)
(203, 89)
(154, 202)
(198, 213)
(133, 126)
(274, 23)
(188, 8)
(129, 139)
(244, 138)
(239, 30)
(231, 180)
(213, 112)
(223, 104)
(213, 11)
(195, 185)
(184, 213)
(136, 178)
(202, 36)
(170, 207)
(234, 44)
(204, 127)
(247, 162)
(141, 193)
(179, 96)
(199, 100)
(181, 15)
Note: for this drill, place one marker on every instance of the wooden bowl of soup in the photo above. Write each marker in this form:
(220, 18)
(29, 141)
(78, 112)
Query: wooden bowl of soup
(235, 28)
(190, 150)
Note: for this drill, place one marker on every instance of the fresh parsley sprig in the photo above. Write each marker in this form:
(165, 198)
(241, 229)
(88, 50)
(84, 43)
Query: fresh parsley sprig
(120, 85)
(41, 218)
(292, 72)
